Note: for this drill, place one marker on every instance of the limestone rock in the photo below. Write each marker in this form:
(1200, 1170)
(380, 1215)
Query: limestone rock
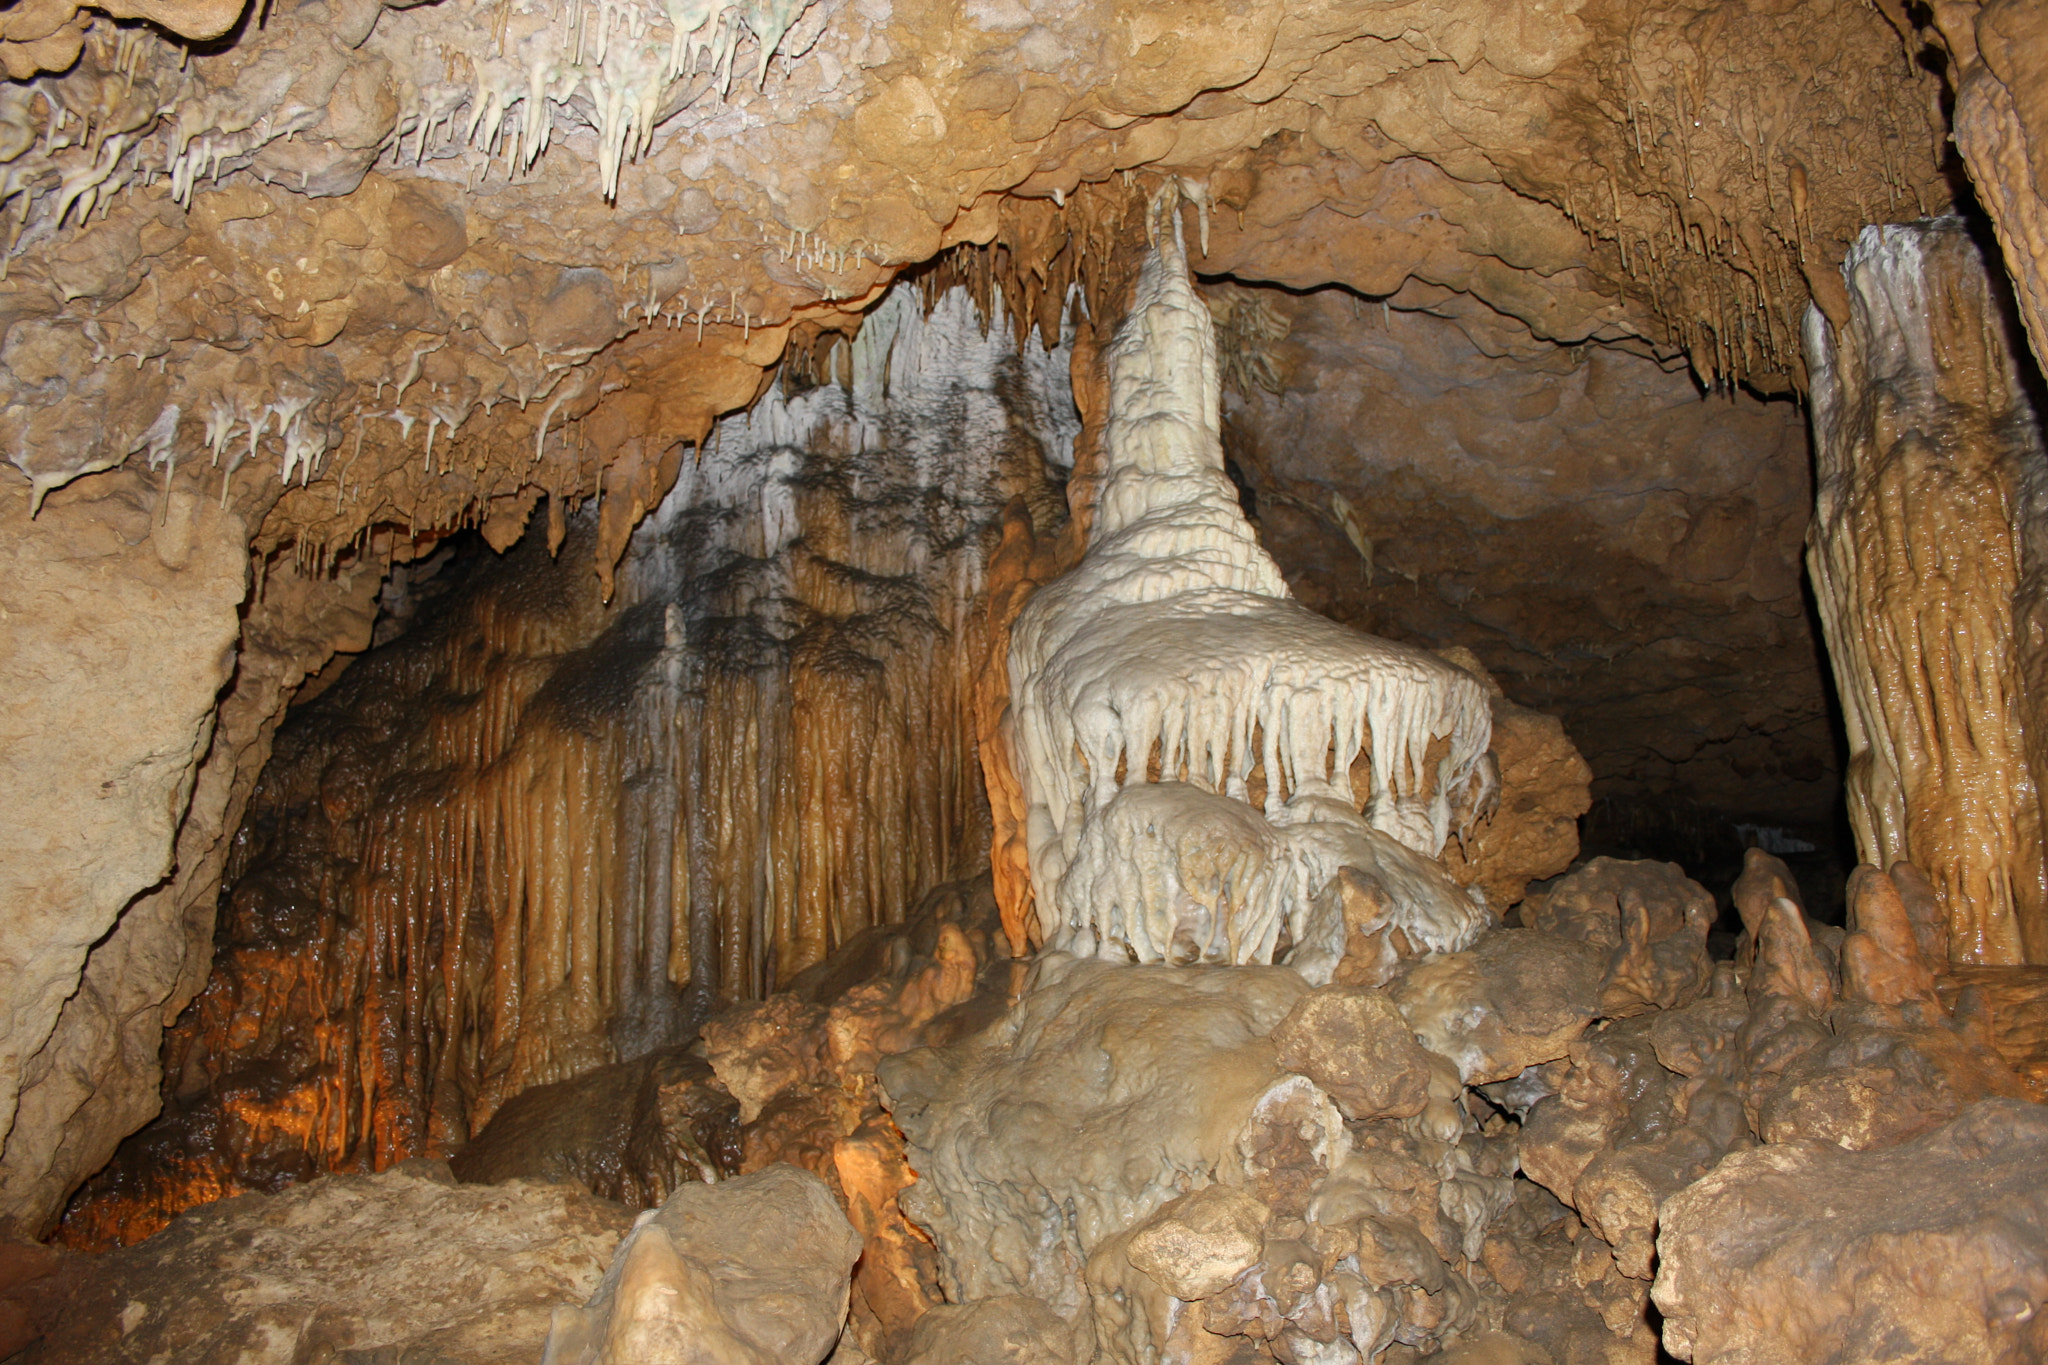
(1009, 1329)
(1591, 903)
(1356, 1046)
(1106, 1092)
(1514, 1000)
(633, 1132)
(1651, 918)
(407, 1263)
(753, 1271)
(1935, 1250)
(2016, 1001)
(1198, 1244)
(1878, 1080)
(98, 763)
(1532, 832)
(1940, 482)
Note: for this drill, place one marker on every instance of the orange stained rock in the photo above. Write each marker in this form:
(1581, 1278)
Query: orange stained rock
(1922, 508)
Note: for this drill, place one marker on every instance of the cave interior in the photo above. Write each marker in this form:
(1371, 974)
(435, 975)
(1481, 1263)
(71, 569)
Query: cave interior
(1160, 682)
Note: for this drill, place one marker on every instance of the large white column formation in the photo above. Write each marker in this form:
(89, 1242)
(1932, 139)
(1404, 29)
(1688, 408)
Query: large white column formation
(1167, 678)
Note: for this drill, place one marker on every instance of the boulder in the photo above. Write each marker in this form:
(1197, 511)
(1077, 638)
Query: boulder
(1801, 1253)
(406, 1265)
(754, 1271)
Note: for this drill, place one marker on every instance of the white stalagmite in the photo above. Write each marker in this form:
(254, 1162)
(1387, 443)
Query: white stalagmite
(1155, 681)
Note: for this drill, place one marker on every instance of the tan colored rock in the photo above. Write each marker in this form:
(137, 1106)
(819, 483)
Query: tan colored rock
(2016, 1001)
(1876, 1082)
(1764, 879)
(118, 638)
(751, 1271)
(1881, 958)
(1926, 659)
(1006, 1330)
(1532, 832)
(1786, 964)
(1356, 1046)
(1936, 1250)
(98, 1077)
(1516, 999)
(1195, 1246)
(1614, 1091)
(1591, 903)
(1105, 1093)
(407, 1262)
(379, 310)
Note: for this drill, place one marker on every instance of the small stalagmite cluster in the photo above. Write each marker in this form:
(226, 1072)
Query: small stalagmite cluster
(1135, 682)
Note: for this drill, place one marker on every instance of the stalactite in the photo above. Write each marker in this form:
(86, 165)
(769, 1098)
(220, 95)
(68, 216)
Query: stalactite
(542, 832)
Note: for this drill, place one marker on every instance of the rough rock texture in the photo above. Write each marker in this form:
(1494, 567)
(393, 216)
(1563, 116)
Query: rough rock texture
(751, 1271)
(1357, 1048)
(403, 1265)
(1102, 1092)
(489, 205)
(364, 276)
(1532, 831)
(539, 832)
(96, 1078)
(1849, 1047)
(1615, 548)
(633, 1132)
(1927, 527)
(1053, 1150)
(1516, 999)
(1007, 1330)
(805, 1061)
(2001, 121)
(119, 634)
(1936, 1250)
(2016, 1001)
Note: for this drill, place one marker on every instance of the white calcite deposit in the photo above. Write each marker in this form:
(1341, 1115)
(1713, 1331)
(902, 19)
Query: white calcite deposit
(1169, 675)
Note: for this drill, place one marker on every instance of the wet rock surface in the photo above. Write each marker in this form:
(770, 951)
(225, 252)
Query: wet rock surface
(632, 1132)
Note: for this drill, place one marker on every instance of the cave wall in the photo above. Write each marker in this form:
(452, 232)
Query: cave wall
(120, 635)
(96, 1077)
(1616, 547)
(540, 832)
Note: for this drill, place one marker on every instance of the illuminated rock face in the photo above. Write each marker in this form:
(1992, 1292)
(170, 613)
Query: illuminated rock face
(1170, 672)
(541, 833)
(1928, 529)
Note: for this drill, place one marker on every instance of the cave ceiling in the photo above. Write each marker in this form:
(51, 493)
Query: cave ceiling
(369, 274)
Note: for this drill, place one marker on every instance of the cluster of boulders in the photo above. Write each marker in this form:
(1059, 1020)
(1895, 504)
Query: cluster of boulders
(1442, 1150)
(1581, 1140)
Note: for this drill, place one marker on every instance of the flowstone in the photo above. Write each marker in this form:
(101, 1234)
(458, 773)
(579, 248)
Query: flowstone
(1167, 679)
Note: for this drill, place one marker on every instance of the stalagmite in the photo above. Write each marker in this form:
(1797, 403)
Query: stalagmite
(1927, 520)
(1170, 672)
